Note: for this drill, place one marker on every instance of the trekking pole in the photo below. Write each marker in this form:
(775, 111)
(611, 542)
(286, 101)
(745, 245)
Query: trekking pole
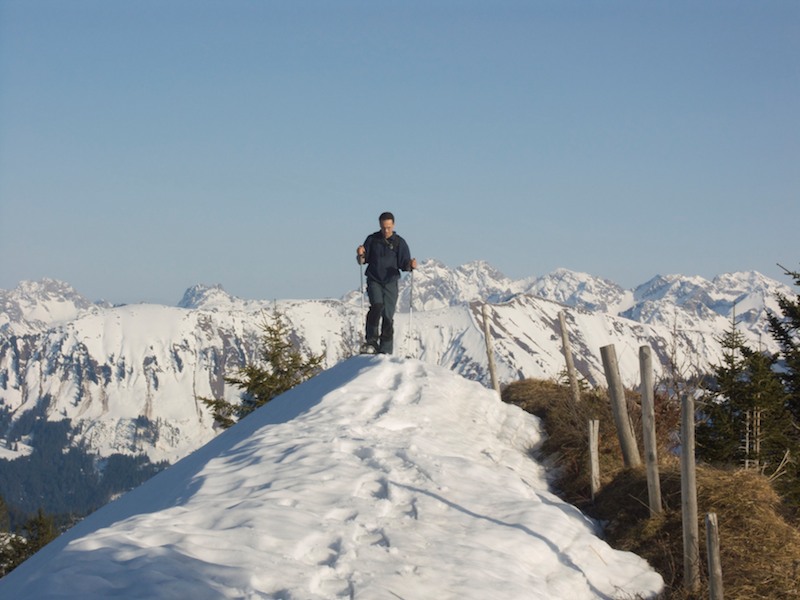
(361, 288)
(361, 293)
(411, 310)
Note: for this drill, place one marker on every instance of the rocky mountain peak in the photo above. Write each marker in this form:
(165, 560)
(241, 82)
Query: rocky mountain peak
(580, 290)
(33, 305)
(205, 296)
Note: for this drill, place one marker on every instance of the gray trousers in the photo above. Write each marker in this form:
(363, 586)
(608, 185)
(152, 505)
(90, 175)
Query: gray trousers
(380, 318)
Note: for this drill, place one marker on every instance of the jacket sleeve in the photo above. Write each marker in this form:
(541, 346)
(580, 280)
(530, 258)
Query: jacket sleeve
(367, 249)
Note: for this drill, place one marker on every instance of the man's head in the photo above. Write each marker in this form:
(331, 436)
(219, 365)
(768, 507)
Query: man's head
(387, 224)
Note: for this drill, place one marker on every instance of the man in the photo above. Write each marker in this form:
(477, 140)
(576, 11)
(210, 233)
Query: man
(386, 254)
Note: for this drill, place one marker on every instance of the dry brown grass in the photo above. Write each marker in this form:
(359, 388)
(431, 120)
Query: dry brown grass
(760, 550)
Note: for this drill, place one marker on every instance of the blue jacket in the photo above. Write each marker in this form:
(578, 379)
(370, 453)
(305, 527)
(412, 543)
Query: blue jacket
(386, 258)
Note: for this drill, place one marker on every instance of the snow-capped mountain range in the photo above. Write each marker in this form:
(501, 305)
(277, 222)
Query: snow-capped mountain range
(130, 377)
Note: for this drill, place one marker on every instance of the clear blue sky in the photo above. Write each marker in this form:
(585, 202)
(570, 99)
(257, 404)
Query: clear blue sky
(147, 146)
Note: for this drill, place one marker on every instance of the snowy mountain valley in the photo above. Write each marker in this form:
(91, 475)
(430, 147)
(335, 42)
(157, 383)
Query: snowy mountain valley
(126, 380)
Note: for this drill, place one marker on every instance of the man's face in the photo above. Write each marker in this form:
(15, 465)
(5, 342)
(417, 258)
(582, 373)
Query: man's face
(387, 228)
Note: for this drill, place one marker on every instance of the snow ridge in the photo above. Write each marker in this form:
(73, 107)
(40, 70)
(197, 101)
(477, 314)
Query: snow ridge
(380, 478)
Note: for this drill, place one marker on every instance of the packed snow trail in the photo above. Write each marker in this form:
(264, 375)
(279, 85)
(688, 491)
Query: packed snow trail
(381, 478)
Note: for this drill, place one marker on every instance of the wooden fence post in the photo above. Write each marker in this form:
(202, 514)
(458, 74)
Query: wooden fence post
(594, 456)
(627, 441)
(489, 349)
(649, 429)
(691, 534)
(571, 373)
(714, 563)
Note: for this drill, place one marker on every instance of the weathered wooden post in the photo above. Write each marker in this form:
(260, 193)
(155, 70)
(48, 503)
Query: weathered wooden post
(691, 534)
(714, 563)
(627, 441)
(489, 349)
(594, 457)
(649, 429)
(571, 372)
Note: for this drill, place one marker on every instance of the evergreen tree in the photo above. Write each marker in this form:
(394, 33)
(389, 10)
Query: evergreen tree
(769, 438)
(281, 366)
(745, 420)
(751, 416)
(5, 520)
(718, 432)
(38, 530)
(785, 329)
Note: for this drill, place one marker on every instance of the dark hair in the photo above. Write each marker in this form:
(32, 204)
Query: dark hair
(387, 216)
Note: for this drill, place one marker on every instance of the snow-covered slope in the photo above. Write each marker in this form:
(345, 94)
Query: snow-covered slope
(381, 478)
